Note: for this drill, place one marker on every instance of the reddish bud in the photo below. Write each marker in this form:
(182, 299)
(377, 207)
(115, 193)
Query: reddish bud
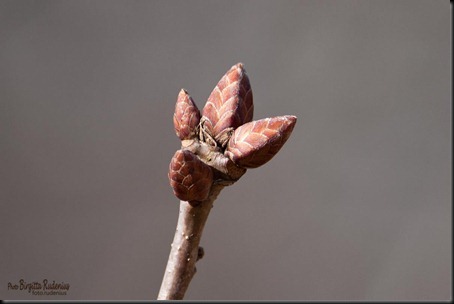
(190, 178)
(186, 116)
(255, 143)
(230, 103)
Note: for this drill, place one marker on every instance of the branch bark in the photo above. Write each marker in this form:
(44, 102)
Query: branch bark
(185, 250)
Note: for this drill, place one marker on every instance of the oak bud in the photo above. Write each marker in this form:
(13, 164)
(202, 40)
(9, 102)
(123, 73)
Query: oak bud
(186, 116)
(229, 105)
(255, 143)
(190, 178)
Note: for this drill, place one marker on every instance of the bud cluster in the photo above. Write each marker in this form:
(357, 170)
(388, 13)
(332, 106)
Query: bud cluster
(226, 127)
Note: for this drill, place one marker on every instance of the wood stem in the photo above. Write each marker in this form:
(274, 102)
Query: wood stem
(185, 246)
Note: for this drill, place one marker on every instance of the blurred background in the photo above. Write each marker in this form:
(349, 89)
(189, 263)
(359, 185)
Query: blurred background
(356, 206)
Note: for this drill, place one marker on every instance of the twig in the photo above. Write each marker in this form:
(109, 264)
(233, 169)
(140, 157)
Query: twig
(185, 250)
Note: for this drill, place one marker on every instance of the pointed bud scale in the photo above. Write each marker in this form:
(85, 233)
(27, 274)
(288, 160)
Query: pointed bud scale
(230, 103)
(186, 116)
(190, 178)
(255, 143)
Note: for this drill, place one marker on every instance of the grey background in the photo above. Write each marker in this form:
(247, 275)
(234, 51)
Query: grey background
(356, 206)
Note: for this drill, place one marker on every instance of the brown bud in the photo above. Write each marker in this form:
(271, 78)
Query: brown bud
(190, 178)
(229, 104)
(186, 116)
(255, 143)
